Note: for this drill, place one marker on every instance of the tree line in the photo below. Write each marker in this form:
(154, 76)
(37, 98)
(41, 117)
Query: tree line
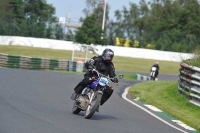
(29, 18)
(169, 25)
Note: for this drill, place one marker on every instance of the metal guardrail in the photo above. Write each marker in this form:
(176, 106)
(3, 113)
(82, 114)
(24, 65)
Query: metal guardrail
(189, 83)
(26, 62)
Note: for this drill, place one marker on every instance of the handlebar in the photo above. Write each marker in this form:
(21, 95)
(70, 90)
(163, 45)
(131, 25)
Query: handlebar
(101, 75)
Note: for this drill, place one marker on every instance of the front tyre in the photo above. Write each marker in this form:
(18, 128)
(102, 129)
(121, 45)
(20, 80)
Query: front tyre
(75, 108)
(152, 75)
(93, 106)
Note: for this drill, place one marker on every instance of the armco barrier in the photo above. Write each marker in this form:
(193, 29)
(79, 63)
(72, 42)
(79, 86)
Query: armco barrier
(189, 83)
(26, 62)
(142, 77)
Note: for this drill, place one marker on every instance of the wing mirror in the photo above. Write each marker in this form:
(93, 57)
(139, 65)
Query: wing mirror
(120, 76)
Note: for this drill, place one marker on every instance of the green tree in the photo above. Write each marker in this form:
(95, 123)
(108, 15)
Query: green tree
(96, 7)
(59, 33)
(25, 17)
(111, 33)
(37, 14)
(168, 23)
(5, 13)
(123, 27)
(70, 35)
(90, 32)
(49, 32)
(5, 9)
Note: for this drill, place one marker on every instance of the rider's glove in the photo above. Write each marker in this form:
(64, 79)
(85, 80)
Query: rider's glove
(90, 67)
(115, 80)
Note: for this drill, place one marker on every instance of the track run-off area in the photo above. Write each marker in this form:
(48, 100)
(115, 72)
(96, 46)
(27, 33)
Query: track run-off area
(34, 101)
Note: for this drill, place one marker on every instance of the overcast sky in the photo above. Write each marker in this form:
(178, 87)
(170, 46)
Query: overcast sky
(75, 7)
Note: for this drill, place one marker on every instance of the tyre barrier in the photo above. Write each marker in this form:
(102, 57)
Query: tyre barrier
(26, 62)
(142, 77)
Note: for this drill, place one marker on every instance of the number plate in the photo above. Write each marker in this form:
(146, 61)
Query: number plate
(103, 81)
(153, 69)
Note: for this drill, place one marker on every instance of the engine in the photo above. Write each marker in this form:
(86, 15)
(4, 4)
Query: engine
(83, 102)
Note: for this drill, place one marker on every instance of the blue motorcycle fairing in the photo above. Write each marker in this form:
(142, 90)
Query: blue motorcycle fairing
(95, 83)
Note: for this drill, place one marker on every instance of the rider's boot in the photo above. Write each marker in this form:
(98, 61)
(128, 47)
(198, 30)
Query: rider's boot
(97, 110)
(74, 96)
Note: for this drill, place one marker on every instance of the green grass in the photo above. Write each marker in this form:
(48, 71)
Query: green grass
(164, 95)
(122, 63)
(144, 65)
(36, 52)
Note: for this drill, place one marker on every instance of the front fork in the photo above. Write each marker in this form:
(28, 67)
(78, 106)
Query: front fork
(91, 98)
(92, 95)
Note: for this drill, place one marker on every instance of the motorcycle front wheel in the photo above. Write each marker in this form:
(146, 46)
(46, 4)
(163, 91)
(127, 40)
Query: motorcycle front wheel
(92, 107)
(152, 75)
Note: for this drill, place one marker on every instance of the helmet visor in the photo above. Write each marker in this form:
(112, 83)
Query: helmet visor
(108, 57)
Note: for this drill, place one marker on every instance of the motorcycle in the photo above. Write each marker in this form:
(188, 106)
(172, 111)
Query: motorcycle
(153, 73)
(90, 98)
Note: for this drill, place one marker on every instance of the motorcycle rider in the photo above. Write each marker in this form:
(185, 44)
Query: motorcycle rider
(104, 65)
(157, 68)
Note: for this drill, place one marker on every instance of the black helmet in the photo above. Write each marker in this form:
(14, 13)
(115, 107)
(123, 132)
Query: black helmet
(107, 55)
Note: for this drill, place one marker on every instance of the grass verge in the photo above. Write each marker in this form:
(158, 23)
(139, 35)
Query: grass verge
(164, 95)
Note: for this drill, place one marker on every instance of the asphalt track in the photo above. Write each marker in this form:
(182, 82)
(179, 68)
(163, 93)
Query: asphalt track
(39, 102)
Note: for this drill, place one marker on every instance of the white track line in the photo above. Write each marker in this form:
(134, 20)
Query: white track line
(124, 97)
